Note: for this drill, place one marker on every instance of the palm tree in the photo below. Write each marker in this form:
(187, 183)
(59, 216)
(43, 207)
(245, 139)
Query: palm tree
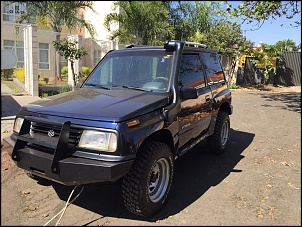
(56, 15)
(286, 45)
(140, 22)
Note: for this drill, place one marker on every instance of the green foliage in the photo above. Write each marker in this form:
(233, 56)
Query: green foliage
(193, 18)
(56, 14)
(261, 11)
(44, 95)
(71, 52)
(141, 22)
(85, 72)
(230, 42)
(287, 45)
(46, 79)
(64, 72)
(65, 88)
(233, 86)
(270, 57)
(6, 73)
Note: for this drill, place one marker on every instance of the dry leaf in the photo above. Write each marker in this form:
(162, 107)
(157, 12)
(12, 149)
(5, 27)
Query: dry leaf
(292, 185)
(285, 163)
(45, 215)
(263, 199)
(269, 186)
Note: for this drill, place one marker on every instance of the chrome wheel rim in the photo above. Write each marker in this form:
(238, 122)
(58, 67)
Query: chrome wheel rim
(159, 180)
(225, 133)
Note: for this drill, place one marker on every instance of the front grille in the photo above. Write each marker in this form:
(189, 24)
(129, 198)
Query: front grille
(40, 131)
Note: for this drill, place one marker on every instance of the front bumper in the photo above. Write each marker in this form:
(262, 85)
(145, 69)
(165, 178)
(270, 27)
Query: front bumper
(67, 170)
(73, 170)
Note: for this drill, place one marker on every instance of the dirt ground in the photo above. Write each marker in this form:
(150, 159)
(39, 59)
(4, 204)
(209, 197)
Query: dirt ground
(256, 183)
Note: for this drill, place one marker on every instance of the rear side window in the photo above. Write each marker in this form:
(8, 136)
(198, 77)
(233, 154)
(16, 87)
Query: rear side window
(191, 73)
(213, 67)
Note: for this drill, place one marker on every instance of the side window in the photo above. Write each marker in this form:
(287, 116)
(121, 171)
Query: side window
(213, 67)
(191, 74)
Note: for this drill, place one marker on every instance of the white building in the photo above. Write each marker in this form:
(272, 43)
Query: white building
(46, 54)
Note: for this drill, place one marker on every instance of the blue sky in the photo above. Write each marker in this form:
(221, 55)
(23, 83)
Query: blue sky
(271, 31)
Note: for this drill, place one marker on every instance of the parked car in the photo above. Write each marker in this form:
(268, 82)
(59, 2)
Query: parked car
(141, 108)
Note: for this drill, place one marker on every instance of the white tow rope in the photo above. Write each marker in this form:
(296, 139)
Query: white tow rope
(66, 205)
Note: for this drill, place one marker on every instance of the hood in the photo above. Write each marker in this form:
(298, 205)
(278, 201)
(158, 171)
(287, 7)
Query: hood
(100, 104)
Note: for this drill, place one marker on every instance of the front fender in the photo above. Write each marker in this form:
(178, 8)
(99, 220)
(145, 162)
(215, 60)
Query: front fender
(131, 137)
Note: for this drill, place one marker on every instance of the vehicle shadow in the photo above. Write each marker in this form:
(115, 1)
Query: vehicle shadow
(292, 100)
(9, 106)
(194, 173)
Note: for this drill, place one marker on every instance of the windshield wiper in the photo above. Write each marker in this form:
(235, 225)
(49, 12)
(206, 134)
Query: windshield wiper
(130, 87)
(98, 86)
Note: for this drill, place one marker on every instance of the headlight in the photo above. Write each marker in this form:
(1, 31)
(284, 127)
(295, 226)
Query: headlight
(97, 140)
(18, 124)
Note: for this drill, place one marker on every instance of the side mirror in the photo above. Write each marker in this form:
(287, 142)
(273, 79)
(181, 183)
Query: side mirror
(188, 93)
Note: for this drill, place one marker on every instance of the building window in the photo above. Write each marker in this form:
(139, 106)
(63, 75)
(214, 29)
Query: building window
(12, 11)
(96, 56)
(18, 48)
(43, 56)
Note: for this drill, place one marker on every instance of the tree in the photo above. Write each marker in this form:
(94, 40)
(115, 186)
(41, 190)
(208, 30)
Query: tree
(206, 22)
(69, 49)
(55, 15)
(266, 58)
(189, 18)
(140, 22)
(286, 45)
(261, 11)
(270, 57)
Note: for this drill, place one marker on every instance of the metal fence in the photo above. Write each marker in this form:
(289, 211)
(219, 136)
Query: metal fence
(290, 76)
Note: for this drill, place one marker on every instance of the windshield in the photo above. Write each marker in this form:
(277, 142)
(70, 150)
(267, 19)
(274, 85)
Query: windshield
(147, 70)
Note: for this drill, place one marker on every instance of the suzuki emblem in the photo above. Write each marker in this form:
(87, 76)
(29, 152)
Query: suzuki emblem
(51, 133)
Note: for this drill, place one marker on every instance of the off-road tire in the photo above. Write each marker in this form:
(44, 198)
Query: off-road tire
(219, 140)
(140, 197)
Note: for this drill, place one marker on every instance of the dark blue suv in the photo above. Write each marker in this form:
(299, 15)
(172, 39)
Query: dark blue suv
(140, 109)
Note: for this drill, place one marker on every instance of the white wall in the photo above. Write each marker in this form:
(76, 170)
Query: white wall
(97, 19)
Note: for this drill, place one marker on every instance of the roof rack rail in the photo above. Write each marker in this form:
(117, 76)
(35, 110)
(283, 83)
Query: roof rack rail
(194, 44)
(136, 45)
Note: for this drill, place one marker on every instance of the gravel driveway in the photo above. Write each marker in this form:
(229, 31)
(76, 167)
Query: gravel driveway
(257, 182)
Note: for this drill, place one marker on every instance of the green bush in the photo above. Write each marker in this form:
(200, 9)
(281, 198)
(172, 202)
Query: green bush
(45, 94)
(65, 88)
(6, 74)
(85, 72)
(233, 86)
(64, 72)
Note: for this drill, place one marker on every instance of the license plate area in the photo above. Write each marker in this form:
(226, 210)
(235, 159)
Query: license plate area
(59, 144)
